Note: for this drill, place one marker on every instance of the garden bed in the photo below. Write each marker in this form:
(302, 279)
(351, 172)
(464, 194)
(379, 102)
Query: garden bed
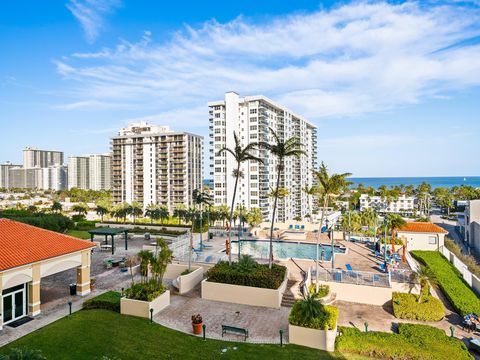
(419, 342)
(142, 308)
(460, 295)
(406, 306)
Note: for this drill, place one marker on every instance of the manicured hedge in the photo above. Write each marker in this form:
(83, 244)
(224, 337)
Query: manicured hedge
(413, 342)
(462, 297)
(107, 301)
(326, 321)
(258, 276)
(405, 306)
(54, 222)
(162, 231)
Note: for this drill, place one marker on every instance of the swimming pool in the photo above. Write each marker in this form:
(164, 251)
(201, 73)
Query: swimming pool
(284, 249)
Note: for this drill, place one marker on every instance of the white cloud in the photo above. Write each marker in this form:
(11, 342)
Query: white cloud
(90, 14)
(353, 59)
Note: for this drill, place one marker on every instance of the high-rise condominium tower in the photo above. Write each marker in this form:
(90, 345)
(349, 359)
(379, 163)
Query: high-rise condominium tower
(250, 118)
(90, 172)
(34, 158)
(152, 164)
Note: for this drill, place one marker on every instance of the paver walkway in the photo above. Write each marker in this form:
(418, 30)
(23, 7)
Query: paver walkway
(263, 323)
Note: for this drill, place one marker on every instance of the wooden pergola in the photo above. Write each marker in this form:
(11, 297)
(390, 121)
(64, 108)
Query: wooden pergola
(112, 232)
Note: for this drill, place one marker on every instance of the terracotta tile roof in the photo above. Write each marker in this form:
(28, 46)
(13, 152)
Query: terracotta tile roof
(422, 227)
(22, 244)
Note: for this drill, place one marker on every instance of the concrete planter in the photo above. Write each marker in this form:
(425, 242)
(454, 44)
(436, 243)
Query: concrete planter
(142, 308)
(184, 283)
(246, 295)
(313, 338)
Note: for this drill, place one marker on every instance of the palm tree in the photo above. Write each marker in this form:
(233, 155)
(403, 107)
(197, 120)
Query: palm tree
(163, 213)
(56, 207)
(101, 210)
(152, 211)
(329, 185)
(424, 276)
(80, 209)
(191, 214)
(282, 149)
(135, 209)
(201, 197)
(240, 154)
(395, 222)
(310, 191)
(224, 211)
(179, 212)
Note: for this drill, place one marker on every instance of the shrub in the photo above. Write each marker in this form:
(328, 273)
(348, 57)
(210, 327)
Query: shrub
(85, 225)
(162, 231)
(406, 306)
(20, 354)
(413, 342)
(461, 296)
(311, 314)
(108, 301)
(259, 275)
(148, 291)
(53, 222)
(323, 291)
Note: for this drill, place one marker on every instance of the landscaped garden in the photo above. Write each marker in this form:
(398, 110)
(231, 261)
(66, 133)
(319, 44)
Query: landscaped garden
(409, 306)
(91, 334)
(413, 342)
(461, 296)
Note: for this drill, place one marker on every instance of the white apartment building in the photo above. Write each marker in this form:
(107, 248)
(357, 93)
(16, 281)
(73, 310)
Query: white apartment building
(471, 229)
(5, 174)
(92, 172)
(402, 205)
(152, 164)
(34, 158)
(250, 118)
(49, 178)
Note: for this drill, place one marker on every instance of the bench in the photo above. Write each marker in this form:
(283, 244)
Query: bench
(234, 329)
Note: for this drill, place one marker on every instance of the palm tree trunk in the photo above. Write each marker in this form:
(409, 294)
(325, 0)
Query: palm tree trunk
(393, 240)
(191, 246)
(231, 215)
(270, 257)
(325, 204)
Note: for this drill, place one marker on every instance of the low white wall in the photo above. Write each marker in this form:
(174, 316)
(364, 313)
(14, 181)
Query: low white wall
(142, 308)
(246, 295)
(185, 282)
(313, 338)
(370, 295)
(471, 279)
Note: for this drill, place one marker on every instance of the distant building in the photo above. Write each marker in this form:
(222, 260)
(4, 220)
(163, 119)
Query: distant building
(54, 178)
(5, 174)
(250, 117)
(90, 172)
(422, 236)
(34, 158)
(471, 225)
(50, 178)
(402, 205)
(152, 164)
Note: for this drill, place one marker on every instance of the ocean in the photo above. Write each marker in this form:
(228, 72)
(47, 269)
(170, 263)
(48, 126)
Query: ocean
(441, 181)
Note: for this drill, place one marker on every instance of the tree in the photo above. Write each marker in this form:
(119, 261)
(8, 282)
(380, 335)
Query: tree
(444, 198)
(423, 193)
(56, 207)
(135, 209)
(153, 212)
(179, 212)
(281, 149)
(310, 191)
(32, 209)
(145, 257)
(254, 217)
(159, 262)
(163, 213)
(200, 198)
(80, 209)
(241, 155)
(102, 209)
(424, 276)
(329, 186)
(395, 222)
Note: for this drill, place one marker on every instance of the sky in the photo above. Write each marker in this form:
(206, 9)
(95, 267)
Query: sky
(394, 87)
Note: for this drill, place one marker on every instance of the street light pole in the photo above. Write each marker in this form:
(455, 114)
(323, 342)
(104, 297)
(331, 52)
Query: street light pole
(375, 229)
(348, 209)
(385, 224)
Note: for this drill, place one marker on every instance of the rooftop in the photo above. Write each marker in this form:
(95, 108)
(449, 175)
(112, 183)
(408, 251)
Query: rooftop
(422, 227)
(22, 244)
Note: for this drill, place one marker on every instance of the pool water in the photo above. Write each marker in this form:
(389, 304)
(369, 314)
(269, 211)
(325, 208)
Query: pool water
(284, 249)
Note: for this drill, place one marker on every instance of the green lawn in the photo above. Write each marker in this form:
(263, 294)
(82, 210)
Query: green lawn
(91, 334)
(81, 234)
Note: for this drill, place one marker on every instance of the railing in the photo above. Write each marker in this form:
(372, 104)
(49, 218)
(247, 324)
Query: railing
(354, 277)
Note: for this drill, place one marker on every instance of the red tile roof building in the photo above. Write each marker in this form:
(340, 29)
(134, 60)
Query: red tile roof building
(422, 227)
(22, 244)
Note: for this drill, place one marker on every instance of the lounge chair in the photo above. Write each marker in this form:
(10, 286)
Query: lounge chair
(209, 258)
(297, 227)
(302, 227)
(338, 276)
(383, 267)
(290, 226)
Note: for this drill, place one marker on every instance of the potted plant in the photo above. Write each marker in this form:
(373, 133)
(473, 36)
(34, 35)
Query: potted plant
(197, 323)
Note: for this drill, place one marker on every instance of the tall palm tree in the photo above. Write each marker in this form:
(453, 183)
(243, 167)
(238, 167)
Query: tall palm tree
(135, 209)
(424, 276)
(179, 212)
(329, 186)
(101, 210)
(395, 222)
(310, 191)
(163, 213)
(152, 211)
(200, 198)
(240, 154)
(282, 149)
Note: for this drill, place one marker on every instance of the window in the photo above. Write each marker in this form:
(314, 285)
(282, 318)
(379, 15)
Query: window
(432, 240)
(217, 115)
(253, 111)
(253, 127)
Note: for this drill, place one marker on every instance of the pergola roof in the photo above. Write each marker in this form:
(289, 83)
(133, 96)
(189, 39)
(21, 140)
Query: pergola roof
(107, 231)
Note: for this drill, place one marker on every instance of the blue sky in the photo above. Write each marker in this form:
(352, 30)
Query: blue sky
(394, 87)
